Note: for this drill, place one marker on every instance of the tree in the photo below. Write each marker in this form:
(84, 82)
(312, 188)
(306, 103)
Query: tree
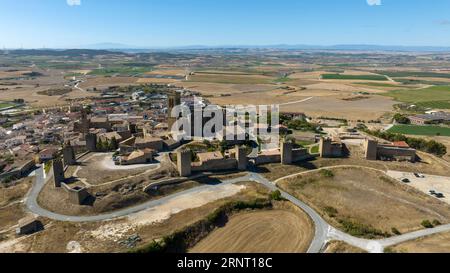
(113, 145)
(276, 195)
(100, 145)
(401, 119)
(427, 224)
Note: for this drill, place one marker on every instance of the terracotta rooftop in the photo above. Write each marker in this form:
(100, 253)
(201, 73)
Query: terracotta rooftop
(401, 144)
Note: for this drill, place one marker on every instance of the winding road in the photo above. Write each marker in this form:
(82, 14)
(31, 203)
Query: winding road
(323, 231)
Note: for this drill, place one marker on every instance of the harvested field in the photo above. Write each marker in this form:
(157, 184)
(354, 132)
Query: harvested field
(274, 231)
(230, 79)
(437, 243)
(369, 207)
(14, 74)
(371, 108)
(218, 89)
(108, 81)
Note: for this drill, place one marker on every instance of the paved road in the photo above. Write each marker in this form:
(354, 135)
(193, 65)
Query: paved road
(321, 227)
(323, 231)
(34, 207)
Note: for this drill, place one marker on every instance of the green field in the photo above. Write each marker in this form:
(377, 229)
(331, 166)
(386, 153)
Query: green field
(434, 104)
(404, 74)
(427, 97)
(121, 71)
(282, 79)
(4, 105)
(315, 149)
(354, 77)
(420, 130)
(416, 82)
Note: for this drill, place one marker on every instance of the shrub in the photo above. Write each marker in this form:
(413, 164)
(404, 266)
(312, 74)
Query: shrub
(396, 231)
(332, 212)
(361, 230)
(390, 250)
(436, 223)
(326, 173)
(427, 224)
(276, 195)
(402, 119)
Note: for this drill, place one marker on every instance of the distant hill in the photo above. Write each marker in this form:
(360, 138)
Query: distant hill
(58, 52)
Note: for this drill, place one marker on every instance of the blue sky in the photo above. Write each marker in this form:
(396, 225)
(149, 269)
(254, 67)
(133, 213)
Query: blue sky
(160, 23)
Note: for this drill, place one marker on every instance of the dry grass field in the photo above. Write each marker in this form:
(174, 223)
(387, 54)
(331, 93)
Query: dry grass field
(99, 169)
(438, 243)
(6, 74)
(329, 97)
(273, 231)
(105, 237)
(231, 79)
(365, 202)
(429, 165)
(444, 140)
(16, 192)
(342, 248)
(100, 82)
(11, 208)
(9, 216)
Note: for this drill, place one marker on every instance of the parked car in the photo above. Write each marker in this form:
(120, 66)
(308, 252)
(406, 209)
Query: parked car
(406, 180)
(439, 195)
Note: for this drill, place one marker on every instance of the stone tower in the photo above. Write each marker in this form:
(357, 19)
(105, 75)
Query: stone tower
(85, 123)
(184, 159)
(58, 172)
(69, 155)
(174, 99)
(325, 147)
(286, 153)
(370, 149)
(241, 157)
(91, 142)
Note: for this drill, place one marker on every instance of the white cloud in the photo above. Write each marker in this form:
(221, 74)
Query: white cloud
(374, 2)
(74, 2)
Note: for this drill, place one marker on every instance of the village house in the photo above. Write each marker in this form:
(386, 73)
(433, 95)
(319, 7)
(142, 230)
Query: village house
(430, 118)
(138, 157)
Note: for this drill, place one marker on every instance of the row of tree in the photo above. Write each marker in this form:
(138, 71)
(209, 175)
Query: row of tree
(107, 145)
(428, 146)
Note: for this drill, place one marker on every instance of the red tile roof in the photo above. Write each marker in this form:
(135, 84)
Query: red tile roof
(401, 144)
